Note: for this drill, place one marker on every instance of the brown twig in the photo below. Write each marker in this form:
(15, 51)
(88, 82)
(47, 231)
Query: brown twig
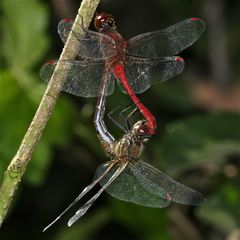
(18, 165)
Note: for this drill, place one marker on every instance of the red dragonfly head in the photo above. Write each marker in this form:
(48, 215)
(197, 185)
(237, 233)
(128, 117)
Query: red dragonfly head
(104, 22)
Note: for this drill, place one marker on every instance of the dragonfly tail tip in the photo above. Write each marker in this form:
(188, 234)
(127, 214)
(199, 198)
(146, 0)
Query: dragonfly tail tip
(195, 19)
(67, 20)
(179, 59)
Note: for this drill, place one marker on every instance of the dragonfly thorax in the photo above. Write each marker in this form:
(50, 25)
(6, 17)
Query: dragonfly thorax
(127, 149)
(131, 145)
(120, 44)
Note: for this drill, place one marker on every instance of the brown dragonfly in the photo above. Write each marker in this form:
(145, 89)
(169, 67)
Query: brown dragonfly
(126, 176)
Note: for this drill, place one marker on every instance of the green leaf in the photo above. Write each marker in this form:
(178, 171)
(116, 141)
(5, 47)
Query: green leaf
(24, 43)
(173, 96)
(146, 223)
(222, 208)
(16, 113)
(22, 27)
(197, 140)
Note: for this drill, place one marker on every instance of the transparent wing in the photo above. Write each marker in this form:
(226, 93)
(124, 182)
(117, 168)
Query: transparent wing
(127, 188)
(91, 44)
(143, 72)
(166, 42)
(81, 211)
(83, 78)
(162, 185)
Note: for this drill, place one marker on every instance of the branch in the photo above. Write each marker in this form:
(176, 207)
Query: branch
(18, 165)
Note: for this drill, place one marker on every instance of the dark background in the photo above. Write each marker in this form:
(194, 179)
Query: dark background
(198, 138)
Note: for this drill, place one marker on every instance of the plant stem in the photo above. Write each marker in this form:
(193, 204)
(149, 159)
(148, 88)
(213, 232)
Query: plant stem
(18, 165)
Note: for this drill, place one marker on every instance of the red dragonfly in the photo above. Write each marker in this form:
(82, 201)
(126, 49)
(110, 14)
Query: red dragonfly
(105, 53)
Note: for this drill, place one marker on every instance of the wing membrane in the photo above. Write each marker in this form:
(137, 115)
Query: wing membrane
(81, 211)
(162, 185)
(166, 42)
(127, 188)
(92, 44)
(83, 79)
(142, 72)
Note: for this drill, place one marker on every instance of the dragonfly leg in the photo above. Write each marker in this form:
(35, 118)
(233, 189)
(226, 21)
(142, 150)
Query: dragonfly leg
(117, 123)
(147, 114)
(126, 117)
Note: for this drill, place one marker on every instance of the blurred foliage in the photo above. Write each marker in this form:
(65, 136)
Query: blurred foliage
(23, 30)
(194, 145)
(84, 230)
(196, 140)
(24, 42)
(221, 210)
(127, 214)
(173, 96)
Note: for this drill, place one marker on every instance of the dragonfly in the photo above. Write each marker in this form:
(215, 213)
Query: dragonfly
(137, 63)
(126, 176)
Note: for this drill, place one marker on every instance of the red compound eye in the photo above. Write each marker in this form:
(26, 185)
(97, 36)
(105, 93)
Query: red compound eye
(144, 129)
(101, 19)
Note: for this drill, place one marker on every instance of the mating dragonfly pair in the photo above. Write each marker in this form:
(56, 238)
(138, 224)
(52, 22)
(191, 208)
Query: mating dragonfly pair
(105, 53)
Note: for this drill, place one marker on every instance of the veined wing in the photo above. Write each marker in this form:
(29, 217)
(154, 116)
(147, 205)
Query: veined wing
(92, 45)
(127, 188)
(82, 210)
(166, 42)
(141, 73)
(83, 78)
(158, 183)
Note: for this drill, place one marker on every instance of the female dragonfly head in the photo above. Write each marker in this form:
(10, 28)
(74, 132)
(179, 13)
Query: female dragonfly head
(104, 22)
(140, 131)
